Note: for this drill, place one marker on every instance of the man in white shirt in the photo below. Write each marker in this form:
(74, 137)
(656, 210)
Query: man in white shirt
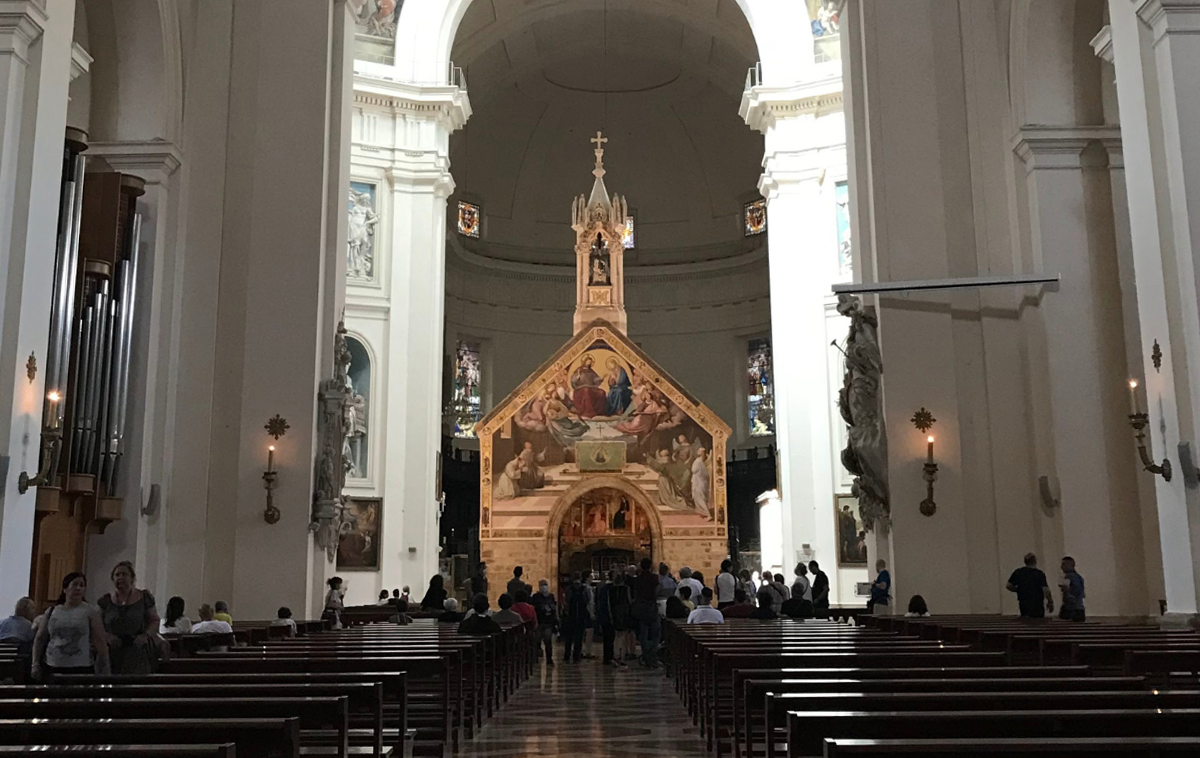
(208, 625)
(726, 585)
(686, 580)
(705, 613)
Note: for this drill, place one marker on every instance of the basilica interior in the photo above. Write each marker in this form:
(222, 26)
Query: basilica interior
(389, 289)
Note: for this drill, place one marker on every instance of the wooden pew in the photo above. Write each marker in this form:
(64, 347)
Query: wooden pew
(778, 706)
(751, 720)
(1017, 747)
(364, 699)
(432, 716)
(313, 713)
(125, 751)
(254, 737)
(807, 731)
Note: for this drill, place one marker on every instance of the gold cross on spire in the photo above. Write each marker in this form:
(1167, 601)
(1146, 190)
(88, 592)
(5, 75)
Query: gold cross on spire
(599, 139)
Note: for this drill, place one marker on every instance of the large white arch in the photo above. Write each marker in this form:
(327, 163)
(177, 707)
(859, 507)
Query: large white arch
(426, 33)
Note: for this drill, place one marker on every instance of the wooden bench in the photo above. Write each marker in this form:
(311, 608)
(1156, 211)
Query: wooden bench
(125, 751)
(313, 714)
(254, 737)
(807, 731)
(1018, 747)
(751, 723)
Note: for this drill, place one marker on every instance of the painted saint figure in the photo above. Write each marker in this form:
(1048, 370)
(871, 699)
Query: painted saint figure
(674, 480)
(508, 483)
(589, 399)
(700, 482)
(620, 389)
(532, 476)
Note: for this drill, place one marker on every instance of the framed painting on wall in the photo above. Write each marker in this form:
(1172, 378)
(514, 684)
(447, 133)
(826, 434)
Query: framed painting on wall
(851, 532)
(358, 549)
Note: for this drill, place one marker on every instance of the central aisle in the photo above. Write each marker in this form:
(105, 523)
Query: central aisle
(587, 710)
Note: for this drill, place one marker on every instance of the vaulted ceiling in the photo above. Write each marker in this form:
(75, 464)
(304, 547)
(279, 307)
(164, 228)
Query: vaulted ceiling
(661, 78)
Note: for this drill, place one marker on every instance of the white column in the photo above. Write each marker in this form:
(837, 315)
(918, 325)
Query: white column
(1071, 233)
(1162, 173)
(154, 363)
(421, 182)
(800, 275)
(33, 113)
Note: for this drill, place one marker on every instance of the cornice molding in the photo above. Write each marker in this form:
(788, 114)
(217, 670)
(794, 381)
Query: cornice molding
(81, 61)
(21, 23)
(762, 106)
(152, 160)
(449, 105)
(1059, 147)
(1102, 44)
(634, 274)
(1169, 16)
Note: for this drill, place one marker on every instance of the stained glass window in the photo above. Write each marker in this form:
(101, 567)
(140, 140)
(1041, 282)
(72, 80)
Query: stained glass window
(464, 406)
(469, 218)
(760, 390)
(754, 215)
(845, 249)
(627, 236)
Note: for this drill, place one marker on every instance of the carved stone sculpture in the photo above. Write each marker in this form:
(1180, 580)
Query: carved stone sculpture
(860, 402)
(329, 521)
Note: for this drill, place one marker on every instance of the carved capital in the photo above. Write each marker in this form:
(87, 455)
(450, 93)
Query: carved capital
(1169, 16)
(1059, 147)
(152, 160)
(21, 22)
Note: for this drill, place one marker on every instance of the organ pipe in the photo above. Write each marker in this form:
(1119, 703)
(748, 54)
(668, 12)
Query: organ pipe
(92, 320)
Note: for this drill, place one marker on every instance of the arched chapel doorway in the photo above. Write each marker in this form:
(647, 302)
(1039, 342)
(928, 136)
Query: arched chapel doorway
(601, 524)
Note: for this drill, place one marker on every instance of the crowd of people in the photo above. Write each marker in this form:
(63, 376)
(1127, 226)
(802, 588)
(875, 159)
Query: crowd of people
(121, 633)
(622, 611)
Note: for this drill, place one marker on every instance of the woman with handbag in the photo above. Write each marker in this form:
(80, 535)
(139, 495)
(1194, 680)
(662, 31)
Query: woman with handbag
(70, 637)
(131, 622)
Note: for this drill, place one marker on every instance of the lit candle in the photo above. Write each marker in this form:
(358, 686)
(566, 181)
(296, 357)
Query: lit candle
(53, 397)
(270, 459)
(1133, 403)
(931, 448)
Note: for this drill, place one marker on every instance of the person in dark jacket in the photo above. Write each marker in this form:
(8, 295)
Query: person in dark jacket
(766, 599)
(547, 617)
(479, 582)
(435, 596)
(576, 619)
(676, 608)
(479, 622)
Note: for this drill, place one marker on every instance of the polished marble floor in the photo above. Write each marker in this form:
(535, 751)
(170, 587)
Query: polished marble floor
(586, 710)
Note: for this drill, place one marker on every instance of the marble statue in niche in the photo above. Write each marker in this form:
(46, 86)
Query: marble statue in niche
(358, 388)
(360, 253)
(860, 404)
(599, 264)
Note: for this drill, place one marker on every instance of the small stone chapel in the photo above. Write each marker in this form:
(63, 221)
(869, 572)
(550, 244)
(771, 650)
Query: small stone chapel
(600, 459)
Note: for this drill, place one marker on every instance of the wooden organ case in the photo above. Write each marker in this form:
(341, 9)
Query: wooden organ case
(88, 364)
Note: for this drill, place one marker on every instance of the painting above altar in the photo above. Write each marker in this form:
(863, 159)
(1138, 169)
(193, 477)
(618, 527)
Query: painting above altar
(599, 412)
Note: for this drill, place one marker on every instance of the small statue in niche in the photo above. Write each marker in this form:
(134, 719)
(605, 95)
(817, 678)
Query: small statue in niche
(598, 261)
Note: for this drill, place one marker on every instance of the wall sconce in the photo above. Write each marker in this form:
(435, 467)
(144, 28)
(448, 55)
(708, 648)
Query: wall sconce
(51, 438)
(276, 427)
(923, 420)
(928, 506)
(271, 514)
(1138, 421)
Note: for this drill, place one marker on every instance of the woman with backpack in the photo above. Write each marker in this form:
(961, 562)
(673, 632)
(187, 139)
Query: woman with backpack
(71, 637)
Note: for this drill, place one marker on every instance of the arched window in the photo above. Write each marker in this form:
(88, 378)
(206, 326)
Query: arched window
(760, 387)
(465, 408)
(358, 411)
